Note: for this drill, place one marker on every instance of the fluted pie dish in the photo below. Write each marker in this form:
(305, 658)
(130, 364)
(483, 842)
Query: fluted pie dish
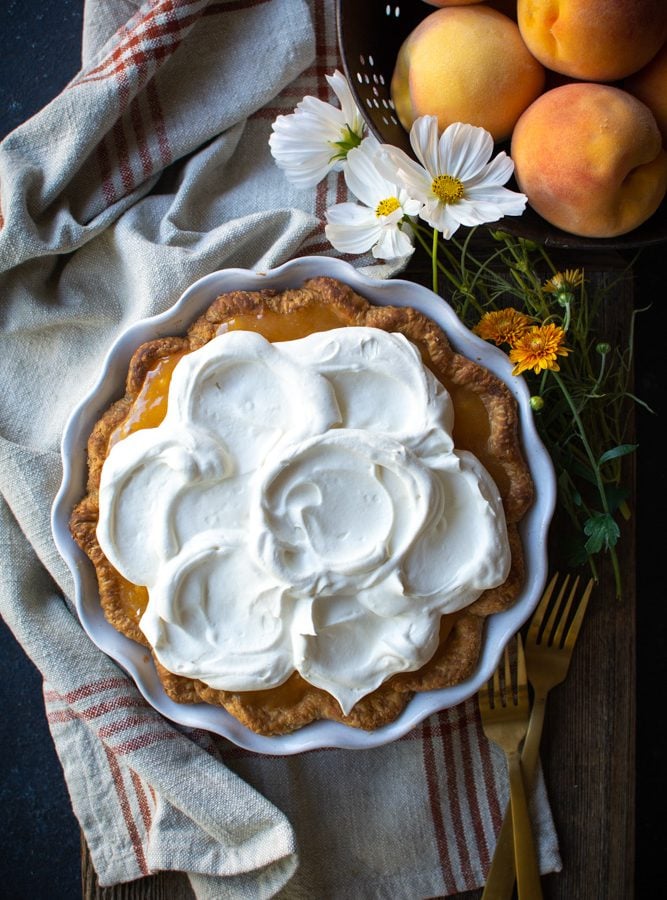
(332, 528)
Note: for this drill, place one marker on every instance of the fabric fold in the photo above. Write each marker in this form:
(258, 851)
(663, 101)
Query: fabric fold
(170, 79)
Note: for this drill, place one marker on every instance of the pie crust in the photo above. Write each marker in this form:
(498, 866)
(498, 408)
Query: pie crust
(486, 423)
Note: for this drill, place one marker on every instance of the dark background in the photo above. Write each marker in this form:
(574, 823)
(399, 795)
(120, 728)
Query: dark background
(40, 855)
(40, 846)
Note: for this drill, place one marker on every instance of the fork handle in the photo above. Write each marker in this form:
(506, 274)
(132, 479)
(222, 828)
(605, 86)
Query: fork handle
(525, 857)
(501, 876)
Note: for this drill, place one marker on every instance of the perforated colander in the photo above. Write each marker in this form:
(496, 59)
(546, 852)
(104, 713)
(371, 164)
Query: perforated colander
(370, 34)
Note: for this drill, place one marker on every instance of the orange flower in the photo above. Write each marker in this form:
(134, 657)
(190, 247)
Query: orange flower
(538, 348)
(565, 282)
(504, 326)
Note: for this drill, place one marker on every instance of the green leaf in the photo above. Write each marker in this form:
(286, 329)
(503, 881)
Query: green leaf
(616, 452)
(602, 531)
(615, 495)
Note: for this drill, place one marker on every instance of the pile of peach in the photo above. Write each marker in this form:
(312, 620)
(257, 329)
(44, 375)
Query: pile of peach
(579, 88)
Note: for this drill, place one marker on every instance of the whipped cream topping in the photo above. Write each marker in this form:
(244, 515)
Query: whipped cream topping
(301, 507)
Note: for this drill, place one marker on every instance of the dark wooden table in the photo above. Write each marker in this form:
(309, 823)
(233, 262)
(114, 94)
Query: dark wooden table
(588, 749)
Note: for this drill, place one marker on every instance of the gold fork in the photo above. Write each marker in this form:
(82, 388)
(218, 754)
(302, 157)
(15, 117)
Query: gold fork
(550, 641)
(505, 710)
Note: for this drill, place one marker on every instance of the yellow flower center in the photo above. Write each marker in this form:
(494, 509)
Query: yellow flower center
(387, 207)
(447, 188)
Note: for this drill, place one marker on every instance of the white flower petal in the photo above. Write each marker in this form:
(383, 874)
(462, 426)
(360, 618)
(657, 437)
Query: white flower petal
(497, 172)
(351, 115)
(363, 178)
(393, 244)
(324, 113)
(397, 166)
(410, 207)
(510, 203)
(438, 216)
(470, 213)
(301, 148)
(470, 149)
(348, 240)
(425, 142)
(393, 218)
(352, 228)
(352, 213)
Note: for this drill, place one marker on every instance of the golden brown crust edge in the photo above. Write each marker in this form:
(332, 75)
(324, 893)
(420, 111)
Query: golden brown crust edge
(458, 654)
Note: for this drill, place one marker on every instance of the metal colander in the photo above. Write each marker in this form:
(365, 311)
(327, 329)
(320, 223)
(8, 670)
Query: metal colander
(370, 34)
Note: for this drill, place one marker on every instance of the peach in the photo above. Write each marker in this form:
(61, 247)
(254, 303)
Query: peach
(593, 40)
(590, 160)
(466, 64)
(650, 86)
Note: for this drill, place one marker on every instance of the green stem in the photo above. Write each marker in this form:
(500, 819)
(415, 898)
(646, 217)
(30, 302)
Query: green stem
(594, 468)
(428, 248)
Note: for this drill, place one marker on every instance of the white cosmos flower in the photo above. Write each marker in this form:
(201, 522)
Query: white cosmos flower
(352, 228)
(456, 182)
(316, 137)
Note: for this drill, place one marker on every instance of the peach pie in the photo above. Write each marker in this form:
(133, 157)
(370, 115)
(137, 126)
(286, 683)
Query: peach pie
(306, 507)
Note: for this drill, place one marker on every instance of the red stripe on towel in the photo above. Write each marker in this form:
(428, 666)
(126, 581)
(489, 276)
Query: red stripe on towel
(158, 121)
(107, 731)
(87, 690)
(139, 42)
(142, 800)
(473, 792)
(435, 806)
(142, 741)
(143, 147)
(456, 810)
(106, 175)
(101, 709)
(128, 818)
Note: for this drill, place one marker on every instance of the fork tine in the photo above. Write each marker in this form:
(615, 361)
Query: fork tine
(573, 630)
(547, 633)
(508, 694)
(558, 636)
(486, 694)
(540, 612)
(521, 675)
(497, 696)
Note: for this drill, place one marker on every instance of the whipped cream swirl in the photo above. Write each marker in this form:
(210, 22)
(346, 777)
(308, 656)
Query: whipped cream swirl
(301, 507)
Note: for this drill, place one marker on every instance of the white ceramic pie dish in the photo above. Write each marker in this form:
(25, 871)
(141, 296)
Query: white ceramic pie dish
(134, 659)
